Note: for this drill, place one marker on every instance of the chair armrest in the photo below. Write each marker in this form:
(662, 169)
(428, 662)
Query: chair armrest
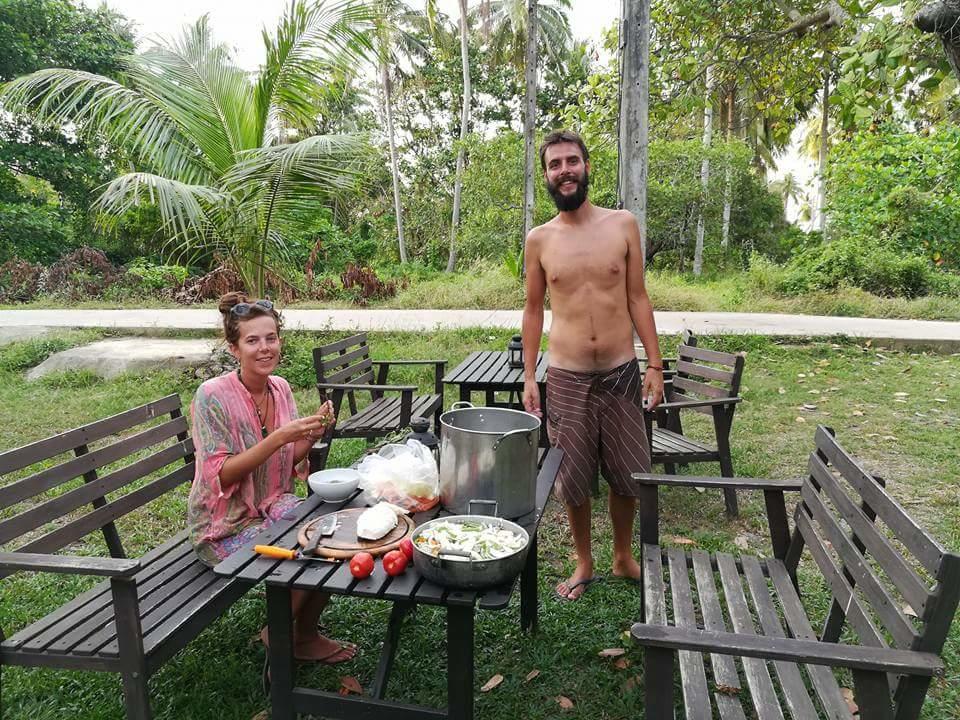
(855, 657)
(409, 362)
(357, 386)
(680, 404)
(68, 564)
(740, 483)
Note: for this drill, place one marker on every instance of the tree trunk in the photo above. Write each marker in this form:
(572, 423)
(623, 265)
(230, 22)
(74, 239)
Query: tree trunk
(464, 124)
(822, 169)
(634, 106)
(530, 120)
(704, 173)
(728, 180)
(394, 168)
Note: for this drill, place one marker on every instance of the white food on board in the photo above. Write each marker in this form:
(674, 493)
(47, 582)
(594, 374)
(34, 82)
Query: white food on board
(376, 522)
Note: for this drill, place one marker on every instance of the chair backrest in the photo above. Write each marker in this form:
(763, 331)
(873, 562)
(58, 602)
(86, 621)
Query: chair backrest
(345, 361)
(55, 491)
(687, 337)
(706, 374)
(891, 582)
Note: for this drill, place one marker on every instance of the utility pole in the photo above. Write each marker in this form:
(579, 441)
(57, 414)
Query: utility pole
(634, 110)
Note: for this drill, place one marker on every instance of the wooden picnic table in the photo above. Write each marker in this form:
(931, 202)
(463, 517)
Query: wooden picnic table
(404, 591)
(489, 372)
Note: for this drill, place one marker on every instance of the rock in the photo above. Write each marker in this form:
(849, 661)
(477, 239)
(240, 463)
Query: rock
(109, 358)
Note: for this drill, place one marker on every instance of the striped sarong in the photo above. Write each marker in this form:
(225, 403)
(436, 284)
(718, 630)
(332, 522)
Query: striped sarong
(596, 418)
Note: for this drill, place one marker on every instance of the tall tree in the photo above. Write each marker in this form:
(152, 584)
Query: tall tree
(209, 143)
(530, 119)
(704, 171)
(464, 130)
(728, 172)
(634, 111)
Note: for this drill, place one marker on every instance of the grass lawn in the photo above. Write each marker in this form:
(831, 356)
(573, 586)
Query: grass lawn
(491, 287)
(898, 412)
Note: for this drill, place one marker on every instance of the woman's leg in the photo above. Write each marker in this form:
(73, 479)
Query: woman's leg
(308, 643)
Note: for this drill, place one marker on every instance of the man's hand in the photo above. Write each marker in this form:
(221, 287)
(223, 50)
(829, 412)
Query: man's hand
(531, 398)
(652, 388)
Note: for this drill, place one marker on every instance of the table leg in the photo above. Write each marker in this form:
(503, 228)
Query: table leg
(464, 393)
(460, 662)
(528, 590)
(280, 654)
(379, 687)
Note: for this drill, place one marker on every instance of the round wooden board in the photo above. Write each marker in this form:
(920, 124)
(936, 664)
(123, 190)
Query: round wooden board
(344, 543)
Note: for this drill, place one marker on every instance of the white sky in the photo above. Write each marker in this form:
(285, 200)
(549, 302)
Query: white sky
(239, 22)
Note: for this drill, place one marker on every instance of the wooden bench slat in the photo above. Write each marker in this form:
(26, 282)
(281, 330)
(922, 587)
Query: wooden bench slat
(654, 597)
(696, 697)
(402, 587)
(339, 581)
(823, 680)
(842, 592)
(76, 467)
(791, 681)
(361, 373)
(876, 594)
(333, 362)
(705, 371)
(111, 511)
(724, 667)
(27, 455)
(488, 361)
(339, 345)
(927, 550)
(691, 352)
(70, 608)
(58, 507)
(762, 693)
(429, 593)
(699, 388)
(99, 609)
(894, 565)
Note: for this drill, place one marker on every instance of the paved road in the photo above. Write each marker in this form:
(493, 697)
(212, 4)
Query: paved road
(943, 333)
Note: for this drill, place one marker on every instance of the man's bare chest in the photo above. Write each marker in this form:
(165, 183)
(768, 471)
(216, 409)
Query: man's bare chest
(600, 264)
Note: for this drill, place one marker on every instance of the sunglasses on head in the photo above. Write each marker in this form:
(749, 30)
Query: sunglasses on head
(243, 309)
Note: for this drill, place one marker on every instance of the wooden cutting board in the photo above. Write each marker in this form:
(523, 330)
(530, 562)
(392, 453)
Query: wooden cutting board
(344, 543)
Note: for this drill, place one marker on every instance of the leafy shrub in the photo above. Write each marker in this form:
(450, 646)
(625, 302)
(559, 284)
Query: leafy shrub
(85, 273)
(38, 233)
(362, 284)
(158, 277)
(859, 262)
(19, 280)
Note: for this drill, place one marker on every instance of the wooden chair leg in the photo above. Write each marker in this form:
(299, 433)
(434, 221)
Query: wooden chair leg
(729, 494)
(658, 683)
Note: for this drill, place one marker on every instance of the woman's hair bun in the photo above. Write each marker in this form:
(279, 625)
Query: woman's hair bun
(228, 301)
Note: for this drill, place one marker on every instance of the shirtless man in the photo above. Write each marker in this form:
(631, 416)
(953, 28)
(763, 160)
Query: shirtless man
(590, 260)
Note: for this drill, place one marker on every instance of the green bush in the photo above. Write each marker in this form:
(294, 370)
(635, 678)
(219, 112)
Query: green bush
(37, 233)
(23, 355)
(157, 277)
(858, 262)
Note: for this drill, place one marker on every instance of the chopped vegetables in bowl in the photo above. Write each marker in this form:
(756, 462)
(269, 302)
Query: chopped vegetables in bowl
(482, 540)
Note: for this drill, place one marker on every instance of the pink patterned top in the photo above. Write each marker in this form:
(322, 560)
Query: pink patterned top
(225, 423)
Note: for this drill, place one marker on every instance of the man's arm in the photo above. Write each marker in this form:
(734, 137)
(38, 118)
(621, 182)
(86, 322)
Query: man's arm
(532, 327)
(641, 310)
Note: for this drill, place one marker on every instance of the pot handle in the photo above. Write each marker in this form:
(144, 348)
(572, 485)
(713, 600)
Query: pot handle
(461, 404)
(454, 553)
(521, 431)
(471, 503)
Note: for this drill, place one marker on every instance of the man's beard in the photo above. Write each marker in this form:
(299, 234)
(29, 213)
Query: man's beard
(568, 203)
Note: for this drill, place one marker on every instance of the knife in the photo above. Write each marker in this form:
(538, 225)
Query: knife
(279, 553)
(325, 528)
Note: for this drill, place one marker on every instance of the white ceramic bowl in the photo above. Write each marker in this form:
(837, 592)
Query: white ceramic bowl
(334, 484)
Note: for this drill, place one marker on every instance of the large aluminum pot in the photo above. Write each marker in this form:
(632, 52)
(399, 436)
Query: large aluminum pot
(458, 570)
(488, 454)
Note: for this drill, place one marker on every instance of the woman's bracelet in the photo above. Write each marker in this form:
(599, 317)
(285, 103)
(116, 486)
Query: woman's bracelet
(655, 367)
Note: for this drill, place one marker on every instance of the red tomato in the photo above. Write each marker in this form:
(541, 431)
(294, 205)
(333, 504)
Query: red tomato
(394, 562)
(361, 565)
(406, 547)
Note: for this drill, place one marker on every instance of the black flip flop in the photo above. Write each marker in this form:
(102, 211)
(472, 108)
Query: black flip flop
(570, 588)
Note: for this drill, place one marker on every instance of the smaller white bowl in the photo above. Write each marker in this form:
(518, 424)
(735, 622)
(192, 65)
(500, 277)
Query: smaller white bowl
(334, 484)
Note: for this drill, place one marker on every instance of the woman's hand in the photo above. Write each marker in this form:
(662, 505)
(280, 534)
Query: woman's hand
(311, 427)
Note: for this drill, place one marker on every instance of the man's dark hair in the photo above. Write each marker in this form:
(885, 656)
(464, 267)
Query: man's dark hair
(561, 136)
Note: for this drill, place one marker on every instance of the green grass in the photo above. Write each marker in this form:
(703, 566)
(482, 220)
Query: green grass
(491, 287)
(912, 440)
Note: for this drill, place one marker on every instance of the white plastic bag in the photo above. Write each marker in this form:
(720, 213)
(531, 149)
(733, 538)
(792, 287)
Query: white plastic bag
(405, 475)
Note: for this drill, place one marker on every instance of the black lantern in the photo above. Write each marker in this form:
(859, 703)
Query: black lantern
(515, 352)
(421, 432)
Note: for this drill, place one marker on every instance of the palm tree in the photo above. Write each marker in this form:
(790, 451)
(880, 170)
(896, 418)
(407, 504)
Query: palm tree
(503, 25)
(209, 143)
(393, 44)
(464, 128)
(788, 188)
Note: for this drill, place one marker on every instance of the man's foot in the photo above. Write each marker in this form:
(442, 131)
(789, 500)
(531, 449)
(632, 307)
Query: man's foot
(627, 568)
(574, 587)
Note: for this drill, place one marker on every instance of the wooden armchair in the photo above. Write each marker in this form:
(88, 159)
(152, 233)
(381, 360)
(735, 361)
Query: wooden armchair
(344, 370)
(892, 585)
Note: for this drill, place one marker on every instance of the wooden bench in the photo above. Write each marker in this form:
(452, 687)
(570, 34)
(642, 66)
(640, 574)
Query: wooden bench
(80, 482)
(893, 587)
(707, 382)
(344, 369)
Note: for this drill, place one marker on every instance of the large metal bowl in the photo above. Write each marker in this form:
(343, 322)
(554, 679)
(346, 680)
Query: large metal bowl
(459, 571)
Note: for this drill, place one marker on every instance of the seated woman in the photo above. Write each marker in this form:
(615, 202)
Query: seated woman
(250, 441)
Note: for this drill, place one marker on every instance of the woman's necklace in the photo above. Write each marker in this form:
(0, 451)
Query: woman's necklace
(256, 406)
